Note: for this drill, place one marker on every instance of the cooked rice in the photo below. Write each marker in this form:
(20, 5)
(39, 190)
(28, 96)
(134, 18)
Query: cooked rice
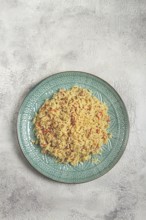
(72, 126)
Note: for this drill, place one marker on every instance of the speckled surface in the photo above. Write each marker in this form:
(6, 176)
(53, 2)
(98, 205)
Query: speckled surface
(39, 38)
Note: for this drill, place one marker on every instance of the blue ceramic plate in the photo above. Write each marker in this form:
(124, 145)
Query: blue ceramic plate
(111, 153)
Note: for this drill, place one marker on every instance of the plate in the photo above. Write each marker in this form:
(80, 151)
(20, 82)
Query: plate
(111, 152)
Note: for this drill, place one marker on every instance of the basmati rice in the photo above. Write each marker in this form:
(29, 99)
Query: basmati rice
(72, 126)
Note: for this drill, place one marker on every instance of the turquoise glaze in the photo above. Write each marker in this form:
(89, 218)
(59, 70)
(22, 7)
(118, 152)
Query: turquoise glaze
(111, 153)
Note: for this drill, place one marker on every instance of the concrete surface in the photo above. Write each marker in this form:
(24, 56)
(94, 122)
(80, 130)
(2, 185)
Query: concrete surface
(42, 37)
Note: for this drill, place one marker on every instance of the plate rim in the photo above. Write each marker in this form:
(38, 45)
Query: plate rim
(111, 165)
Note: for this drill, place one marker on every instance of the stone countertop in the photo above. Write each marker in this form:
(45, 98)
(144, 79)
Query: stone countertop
(42, 37)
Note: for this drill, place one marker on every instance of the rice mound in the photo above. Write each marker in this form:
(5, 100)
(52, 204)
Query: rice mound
(72, 126)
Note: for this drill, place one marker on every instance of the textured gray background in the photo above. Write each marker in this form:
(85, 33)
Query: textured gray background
(42, 37)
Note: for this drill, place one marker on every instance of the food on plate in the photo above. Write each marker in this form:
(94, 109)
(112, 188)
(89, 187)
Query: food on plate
(72, 126)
